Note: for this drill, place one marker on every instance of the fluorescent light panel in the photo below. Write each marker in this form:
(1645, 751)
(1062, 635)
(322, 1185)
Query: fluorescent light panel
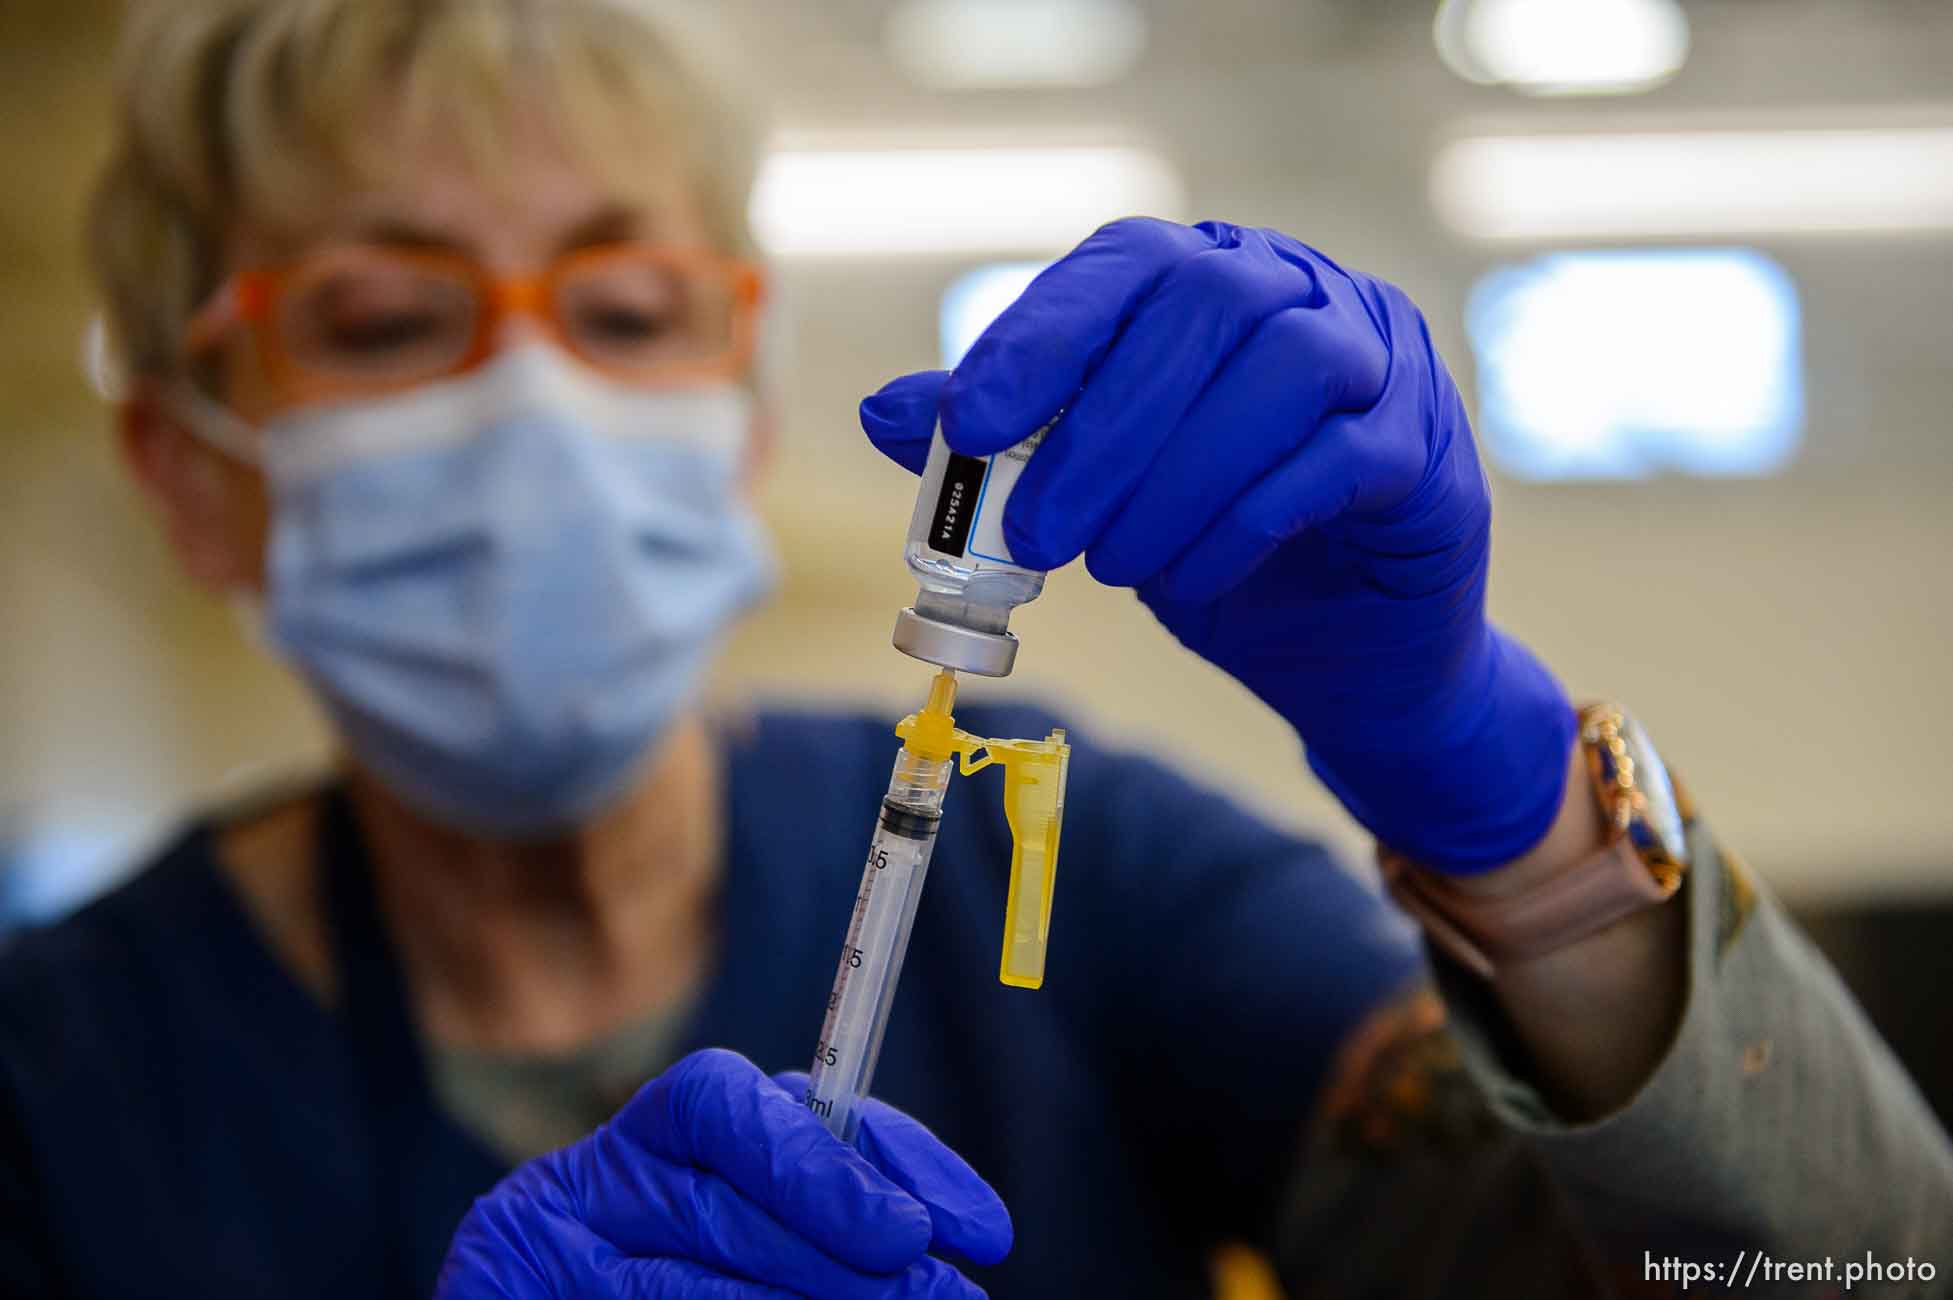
(917, 201)
(1556, 47)
(995, 44)
(1654, 184)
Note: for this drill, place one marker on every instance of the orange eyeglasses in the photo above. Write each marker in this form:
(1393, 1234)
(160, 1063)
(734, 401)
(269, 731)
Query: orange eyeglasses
(358, 318)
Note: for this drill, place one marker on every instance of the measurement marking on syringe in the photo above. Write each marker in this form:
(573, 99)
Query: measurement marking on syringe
(868, 965)
(824, 1052)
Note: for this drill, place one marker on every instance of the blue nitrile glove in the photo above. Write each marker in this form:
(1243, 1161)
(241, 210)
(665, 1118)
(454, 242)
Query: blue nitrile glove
(1266, 446)
(716, 1182)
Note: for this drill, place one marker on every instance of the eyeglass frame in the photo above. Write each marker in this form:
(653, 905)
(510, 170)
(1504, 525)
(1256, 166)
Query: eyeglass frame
(251, 297)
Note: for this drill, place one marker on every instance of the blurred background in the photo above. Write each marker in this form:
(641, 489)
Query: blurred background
(1690, 263)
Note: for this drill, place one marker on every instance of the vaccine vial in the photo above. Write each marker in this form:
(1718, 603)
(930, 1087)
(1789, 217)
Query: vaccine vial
(967, 582)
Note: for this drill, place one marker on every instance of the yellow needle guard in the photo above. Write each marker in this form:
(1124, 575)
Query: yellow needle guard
(1034, 805)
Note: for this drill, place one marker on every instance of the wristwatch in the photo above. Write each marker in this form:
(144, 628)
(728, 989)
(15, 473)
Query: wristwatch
(1641, 864)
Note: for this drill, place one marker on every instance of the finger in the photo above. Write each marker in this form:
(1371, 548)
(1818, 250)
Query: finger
(1314, 484)
(1037, 353)
(663, 1210)
(966, 1214)
(680, 1279)
(1175, 342)
(1300, 366)
(524, 1241)
(717, 1111)
(900, 417)
(524, 1247)
(1369, 468)
(514, 1245)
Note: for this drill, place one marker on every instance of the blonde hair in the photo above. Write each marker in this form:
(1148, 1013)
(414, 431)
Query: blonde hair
(229, 109)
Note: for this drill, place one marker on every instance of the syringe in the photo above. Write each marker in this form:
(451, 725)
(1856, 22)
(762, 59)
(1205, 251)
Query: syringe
(878, 936)
(891, 887)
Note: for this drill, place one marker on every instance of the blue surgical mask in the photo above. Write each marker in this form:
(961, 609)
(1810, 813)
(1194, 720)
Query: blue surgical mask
(507, 586)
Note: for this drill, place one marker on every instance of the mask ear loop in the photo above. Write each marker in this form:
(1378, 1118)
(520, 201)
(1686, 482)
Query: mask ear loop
(211, 421)
(214, 423)
(208, 420)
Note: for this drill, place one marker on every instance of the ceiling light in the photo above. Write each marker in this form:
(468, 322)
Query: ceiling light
(1653, 184)
(919, 201)
(1556, 47)
(971, 44)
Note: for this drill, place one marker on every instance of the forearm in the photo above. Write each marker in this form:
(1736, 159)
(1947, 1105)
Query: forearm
(1597, 1016)
(1775, 1119)
(1772, 1124)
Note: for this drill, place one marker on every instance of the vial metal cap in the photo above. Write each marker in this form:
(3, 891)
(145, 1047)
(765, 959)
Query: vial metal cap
(987, 654)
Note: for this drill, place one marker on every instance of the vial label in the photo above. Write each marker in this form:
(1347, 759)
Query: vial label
(956, 504)
(969, 516)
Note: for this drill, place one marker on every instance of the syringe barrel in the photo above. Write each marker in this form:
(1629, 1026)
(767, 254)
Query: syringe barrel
(919, 783)
(968, 582)
(878, 939)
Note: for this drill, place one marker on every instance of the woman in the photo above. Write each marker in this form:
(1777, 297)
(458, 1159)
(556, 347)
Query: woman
(440, 322)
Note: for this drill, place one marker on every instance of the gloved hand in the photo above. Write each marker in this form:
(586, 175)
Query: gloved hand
(715, 1181)
(1266, 446)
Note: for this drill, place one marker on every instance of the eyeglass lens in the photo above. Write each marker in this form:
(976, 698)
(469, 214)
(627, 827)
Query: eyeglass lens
(390, 320)
(636, 314)
(380, 320)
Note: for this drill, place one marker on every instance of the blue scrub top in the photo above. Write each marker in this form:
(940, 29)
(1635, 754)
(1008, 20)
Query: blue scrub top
(178, 1117)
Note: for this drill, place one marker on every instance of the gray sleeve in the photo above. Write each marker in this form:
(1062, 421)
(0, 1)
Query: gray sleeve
(1777, 1122)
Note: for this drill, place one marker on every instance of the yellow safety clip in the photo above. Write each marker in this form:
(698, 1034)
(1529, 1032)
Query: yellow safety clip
(1034, 805)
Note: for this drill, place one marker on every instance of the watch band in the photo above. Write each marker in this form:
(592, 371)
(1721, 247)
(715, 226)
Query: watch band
(1484, 934)
(1638, 867)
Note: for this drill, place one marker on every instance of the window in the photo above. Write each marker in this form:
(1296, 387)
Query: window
(1621, 364)
(976, 298)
